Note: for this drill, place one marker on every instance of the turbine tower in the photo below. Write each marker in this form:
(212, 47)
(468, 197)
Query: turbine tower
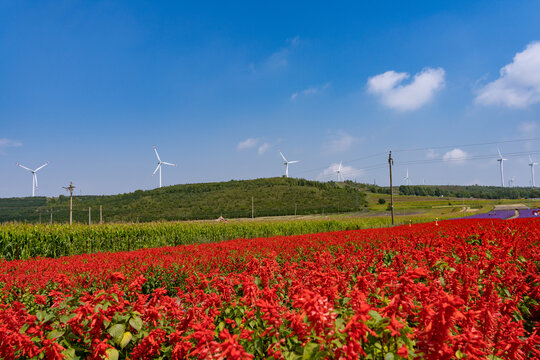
(532, 164)
(159, 166)
(500, 160)
(406, 177)
(286, 163)
(338, 171)
(34, 176)
(512, 181)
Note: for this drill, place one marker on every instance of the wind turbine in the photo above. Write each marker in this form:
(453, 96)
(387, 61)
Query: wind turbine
(338, 171)
(500, 160)
(406, 177)
(532, 164)
(286, 163)
(512, 181)
(159, 166)
(34, 176)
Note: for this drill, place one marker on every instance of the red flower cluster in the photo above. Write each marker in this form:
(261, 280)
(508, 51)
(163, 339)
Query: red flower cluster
(459, 289)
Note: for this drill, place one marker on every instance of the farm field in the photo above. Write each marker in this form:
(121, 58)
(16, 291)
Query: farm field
(23, 241)
(456, 289)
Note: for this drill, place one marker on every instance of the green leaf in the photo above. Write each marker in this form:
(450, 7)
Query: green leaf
(126, 339)
(70, 354)
(112, 354)
(221, 326)
(310, 351)
(375, 316)
(40, 314)
(66, 318)
(55, 334)
(389, 356)
(136, 323)
(117, 332)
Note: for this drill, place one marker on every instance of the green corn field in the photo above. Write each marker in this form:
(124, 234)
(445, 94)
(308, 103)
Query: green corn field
(24, 241)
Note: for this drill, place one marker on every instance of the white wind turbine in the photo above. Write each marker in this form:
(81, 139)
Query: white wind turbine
(34, 176)
(286, 163)
(338, 171)
(159, 166)
(500, 160)
(406, 177)
(532, 164)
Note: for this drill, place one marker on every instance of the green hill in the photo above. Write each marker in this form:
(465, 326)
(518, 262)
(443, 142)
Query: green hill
(232, 199)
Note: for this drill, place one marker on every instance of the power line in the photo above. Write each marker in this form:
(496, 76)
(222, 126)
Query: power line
(466, 158)
(466, 145)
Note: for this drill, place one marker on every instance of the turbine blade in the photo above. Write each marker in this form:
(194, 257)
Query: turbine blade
(157, 168)
(293, 162)
(42, 166)
(24, 167)
(157, 153)
(282, 156)
(166, 163)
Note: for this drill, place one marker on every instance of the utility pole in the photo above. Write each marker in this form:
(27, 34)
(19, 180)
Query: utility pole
(40, 215)
(295, 209)
(252, 208)
(50, 221)
(89, 215)
(390, 163)
(100, 214)
(70, 188)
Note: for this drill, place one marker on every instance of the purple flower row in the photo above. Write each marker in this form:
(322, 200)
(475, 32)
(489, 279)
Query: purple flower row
(529, 213)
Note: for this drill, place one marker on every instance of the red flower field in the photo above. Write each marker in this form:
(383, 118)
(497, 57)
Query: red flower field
(461, 289)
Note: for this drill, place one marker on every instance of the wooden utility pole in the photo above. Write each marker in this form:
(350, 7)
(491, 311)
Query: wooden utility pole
(70, 188)
(100, 214)
(40, 215)
(390, 163)
(252, 208)
(295, 209)
(89, 215)
(50, 221)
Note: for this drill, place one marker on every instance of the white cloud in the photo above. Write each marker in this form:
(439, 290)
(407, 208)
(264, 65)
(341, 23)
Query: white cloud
(279, 59)
(340, 142)
(248, 143)
(527, 127)
(310, 91)
(263, 148)
(518, 85)
(432, 154)
(347, 172)
(456, 156)
(411, 96)
(7, 143)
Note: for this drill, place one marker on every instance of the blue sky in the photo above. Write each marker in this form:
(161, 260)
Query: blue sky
(91, 86)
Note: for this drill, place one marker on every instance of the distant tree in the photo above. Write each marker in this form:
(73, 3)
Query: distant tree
(382, 201)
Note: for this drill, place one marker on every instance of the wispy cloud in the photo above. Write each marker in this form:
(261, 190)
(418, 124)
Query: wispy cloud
(347, 172)
(279, 59)
(406, 97)
(312, 90)
(432, 154)
(248, 143)
(340, 141)
(528, 127)
(518, 85)
(263, 148)
(7, 143)
(456, 156)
